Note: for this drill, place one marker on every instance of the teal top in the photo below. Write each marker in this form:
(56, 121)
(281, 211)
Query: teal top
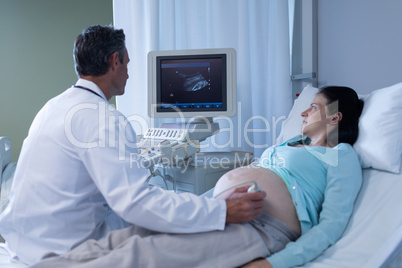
(310, 174)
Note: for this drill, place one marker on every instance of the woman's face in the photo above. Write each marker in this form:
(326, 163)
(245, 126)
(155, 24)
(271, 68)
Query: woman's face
(314, 118)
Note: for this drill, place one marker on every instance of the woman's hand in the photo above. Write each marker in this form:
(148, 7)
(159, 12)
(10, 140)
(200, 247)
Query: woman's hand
(260, 263)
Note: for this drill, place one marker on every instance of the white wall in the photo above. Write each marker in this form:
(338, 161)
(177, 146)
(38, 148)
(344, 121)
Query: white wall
(360, 43)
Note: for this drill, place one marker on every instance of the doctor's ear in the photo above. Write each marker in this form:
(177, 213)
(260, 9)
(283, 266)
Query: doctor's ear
(335, 118)
(113, 59)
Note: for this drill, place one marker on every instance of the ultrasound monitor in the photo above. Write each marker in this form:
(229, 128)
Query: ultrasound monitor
(192, 83)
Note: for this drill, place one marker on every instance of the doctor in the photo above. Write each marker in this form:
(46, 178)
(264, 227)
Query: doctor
(76, 178)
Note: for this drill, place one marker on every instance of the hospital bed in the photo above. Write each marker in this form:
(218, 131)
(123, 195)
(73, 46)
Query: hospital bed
(7, 169)
(373, 237)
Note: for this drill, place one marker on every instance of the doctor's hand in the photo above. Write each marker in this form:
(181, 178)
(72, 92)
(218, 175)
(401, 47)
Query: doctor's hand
(243, 206)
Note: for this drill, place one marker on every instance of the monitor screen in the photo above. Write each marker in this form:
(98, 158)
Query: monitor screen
(190, 83)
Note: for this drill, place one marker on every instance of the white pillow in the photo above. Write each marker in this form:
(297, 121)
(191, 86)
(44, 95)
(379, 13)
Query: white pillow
(379, 144)
(291, 126)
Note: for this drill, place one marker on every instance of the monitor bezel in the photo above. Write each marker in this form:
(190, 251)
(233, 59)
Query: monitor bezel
(230, 95)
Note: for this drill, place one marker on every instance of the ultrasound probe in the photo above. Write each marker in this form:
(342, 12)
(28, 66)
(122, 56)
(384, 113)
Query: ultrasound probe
(253, 188)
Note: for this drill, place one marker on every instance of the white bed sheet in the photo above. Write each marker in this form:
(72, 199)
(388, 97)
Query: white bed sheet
(374, 231)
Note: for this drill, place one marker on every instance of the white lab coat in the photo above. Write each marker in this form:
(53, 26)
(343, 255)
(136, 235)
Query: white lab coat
(77, 178)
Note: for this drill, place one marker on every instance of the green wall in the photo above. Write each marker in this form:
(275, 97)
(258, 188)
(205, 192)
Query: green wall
(36, 64)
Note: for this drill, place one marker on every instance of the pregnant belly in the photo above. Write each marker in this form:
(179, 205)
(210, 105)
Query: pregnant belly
(278, 201)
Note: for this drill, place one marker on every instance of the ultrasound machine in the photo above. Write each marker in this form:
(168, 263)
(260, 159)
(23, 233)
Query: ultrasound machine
(192, 86)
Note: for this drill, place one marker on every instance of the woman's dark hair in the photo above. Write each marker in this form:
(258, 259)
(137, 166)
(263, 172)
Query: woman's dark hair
(347, 102)
(94, 46)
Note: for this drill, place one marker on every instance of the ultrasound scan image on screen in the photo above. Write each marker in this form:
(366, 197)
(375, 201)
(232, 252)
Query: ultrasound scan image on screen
(192, 84)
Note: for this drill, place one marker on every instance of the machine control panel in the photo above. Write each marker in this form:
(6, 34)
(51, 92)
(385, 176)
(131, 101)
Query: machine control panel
(166, 134)
(168, 145)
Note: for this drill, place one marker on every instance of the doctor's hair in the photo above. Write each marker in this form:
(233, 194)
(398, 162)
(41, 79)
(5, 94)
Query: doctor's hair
(350, 106)
(94, 46)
